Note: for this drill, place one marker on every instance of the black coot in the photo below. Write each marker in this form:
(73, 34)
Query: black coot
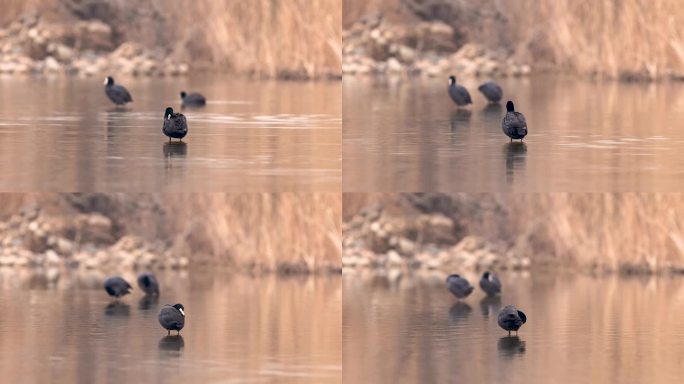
(511, 319)
(116, 93)
(513, 123)
(458, 94)
(148, 283)
(117, 287)
(459, 286)
(172, 317)
(175, 125)
(492, 91)
(490, 284)
(192, 99)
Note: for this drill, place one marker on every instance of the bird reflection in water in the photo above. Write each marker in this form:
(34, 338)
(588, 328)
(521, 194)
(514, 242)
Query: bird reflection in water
(148, 302)
(460, 310)
(173, 343)
(515, 157)
(117, 309)
(490, 304)
(175, 149)
(460, 119)
(511, 346)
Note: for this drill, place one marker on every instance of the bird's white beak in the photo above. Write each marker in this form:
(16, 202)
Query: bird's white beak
(182, 312)
(168, 117)
(105, 81)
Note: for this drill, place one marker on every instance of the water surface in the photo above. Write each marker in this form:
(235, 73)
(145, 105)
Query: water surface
(58, 327)
(407, 135)
(580, 329)
(63, 134)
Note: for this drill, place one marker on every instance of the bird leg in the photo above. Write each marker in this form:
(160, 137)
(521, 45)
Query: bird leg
(509, 333)
(168, 332)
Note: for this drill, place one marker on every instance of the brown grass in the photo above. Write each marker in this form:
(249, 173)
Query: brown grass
(629, 232)
(299, 38)
(265, 38)
(626, 38)
(286, 232)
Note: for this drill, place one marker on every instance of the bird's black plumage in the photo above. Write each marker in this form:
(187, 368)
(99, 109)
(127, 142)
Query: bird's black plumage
(148, 283)
(490, 284)
(458, 93)
(172, 317)
(175, 124)
(116, 93)
(513, 123)
(117, 287)
(459, 286)
(511, 318)
(491, 91)
(192, 99)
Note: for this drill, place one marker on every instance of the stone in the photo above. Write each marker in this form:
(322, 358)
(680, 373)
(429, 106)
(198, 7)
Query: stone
(52, 258)
(52, 65)
(94, 35)
(394, 66)
(406, 54)
(394, 259)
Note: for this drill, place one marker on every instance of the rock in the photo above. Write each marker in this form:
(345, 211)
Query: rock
(406, 54)
(94, 228)
(394, 259)
(94, 35)
(394, 66)
(52, 258)
(52, 65)
(183, 262)
(91, 263)
(64, 246)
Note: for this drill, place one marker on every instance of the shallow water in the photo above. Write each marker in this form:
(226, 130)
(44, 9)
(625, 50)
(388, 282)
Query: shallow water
(238, 329)
(407, 135)
(63, 134)
(579, 329)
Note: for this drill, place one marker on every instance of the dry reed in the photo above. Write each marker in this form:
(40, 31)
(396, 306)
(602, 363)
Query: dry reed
(286, 232)
(265, 38)
(625, 38)
(629, 232)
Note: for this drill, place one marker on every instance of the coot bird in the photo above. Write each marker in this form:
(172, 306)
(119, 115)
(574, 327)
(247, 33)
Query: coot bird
(172, 317)
(175, 125)
(116, 93)
(192, 99)
(490, 284)
(514, 124)
(458, 94)
(148, 283)
(459, 286)
(491, 91)
(511, 319)
(117, 287)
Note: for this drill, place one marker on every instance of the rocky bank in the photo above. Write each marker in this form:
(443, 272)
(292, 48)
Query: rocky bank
(32, 238)
(426, 48)
(33, 45)
(376, 239)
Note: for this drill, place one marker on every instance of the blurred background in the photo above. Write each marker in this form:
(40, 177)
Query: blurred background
(286, 39)
(628, 39)
(269, 70)
(286, 232)
(258, 275)
(593, 80)
(599, 277)
(603, 232)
